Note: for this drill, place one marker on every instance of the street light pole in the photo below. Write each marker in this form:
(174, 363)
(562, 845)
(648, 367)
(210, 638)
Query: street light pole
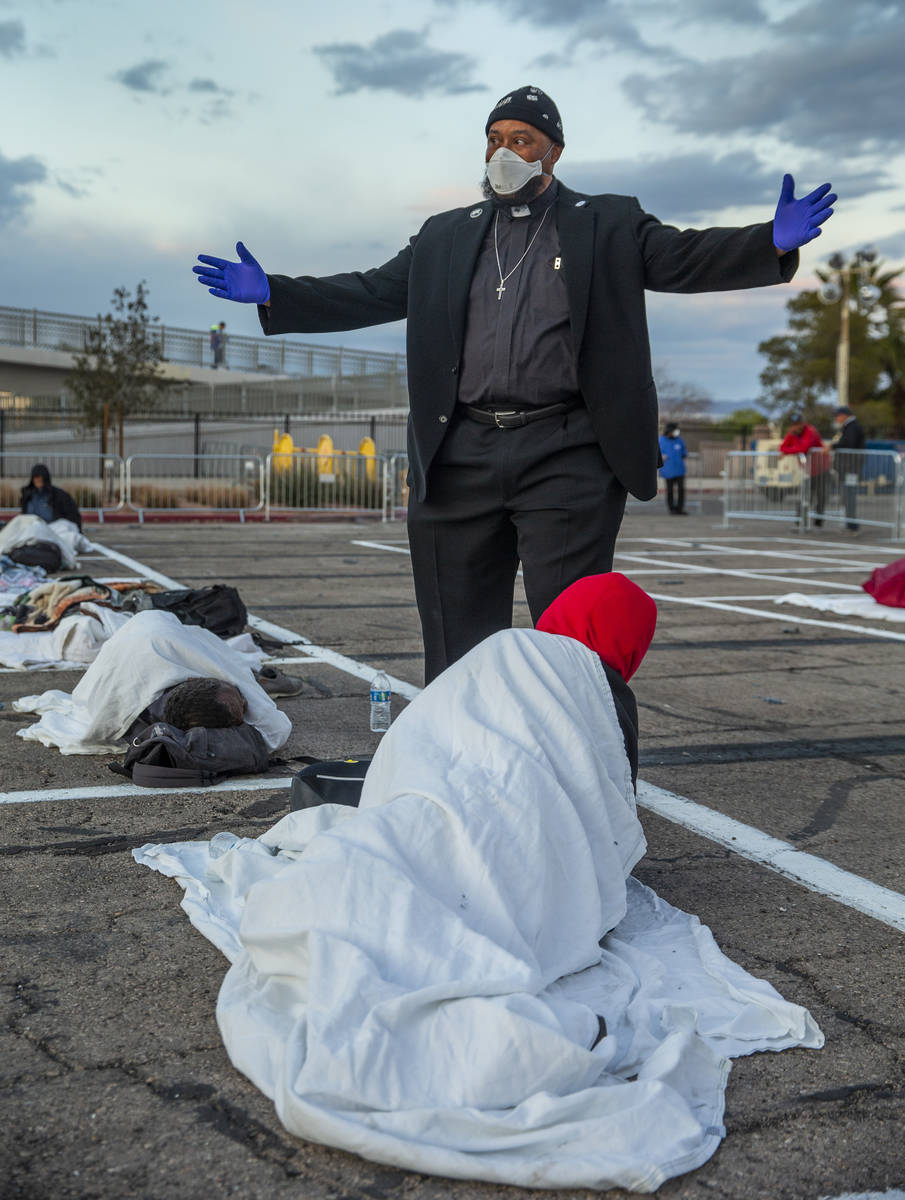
(843, 350)
(839, 287)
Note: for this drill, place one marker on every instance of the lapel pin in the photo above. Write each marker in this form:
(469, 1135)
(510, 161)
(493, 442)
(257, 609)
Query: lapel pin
(580, 203)
(476, 212)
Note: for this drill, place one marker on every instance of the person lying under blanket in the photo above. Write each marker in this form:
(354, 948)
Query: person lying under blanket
(459, 977)
(147, 656)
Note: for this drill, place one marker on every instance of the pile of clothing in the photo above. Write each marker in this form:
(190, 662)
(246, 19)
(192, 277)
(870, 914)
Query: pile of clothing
(69, 619)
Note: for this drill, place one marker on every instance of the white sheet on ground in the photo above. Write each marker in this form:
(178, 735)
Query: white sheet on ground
(28, 528)
(75, 640)
(151, 652)
(852, 604)
(419, 980)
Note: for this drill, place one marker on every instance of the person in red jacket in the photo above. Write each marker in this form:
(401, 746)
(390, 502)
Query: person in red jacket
(800, 438)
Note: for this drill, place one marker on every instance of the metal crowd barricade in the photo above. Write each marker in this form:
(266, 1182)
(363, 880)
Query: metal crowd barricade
(857, 487)
(95, 481)
(396, 494)
(765, 485)
(192, 484)
(337, 481)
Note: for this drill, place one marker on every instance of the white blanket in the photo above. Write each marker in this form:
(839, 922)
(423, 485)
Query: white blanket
(851, 604)
(76, 640)
(420, 980)
(151, 652)
(29, 528)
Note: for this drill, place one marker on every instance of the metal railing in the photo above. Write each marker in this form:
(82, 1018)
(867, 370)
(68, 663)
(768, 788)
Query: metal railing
(337, 481)
(764, 485)
(95, 481)
(195, 483)
(857, 487)
(32, 327)
(396, 491)
(839, 487)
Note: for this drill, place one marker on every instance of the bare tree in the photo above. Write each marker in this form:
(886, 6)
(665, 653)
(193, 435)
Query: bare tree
(119, 372)
(678, 400)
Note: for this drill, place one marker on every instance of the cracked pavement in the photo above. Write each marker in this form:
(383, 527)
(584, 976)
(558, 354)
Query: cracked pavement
(113, 1078)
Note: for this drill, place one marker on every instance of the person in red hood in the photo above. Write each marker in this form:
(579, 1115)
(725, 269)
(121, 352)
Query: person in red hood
(801, 438)
(616, 619)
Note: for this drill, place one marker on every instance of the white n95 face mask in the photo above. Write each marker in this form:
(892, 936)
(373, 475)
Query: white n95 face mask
(508, 173)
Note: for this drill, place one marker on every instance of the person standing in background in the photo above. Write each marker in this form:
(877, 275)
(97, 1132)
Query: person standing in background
(801, 438)
(849, 435)
(674, 453)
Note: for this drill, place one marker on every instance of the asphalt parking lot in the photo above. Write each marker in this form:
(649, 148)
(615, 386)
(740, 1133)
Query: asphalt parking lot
(756, 719)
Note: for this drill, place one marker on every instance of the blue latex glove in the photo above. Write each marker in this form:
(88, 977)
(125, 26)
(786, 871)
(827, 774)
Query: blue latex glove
(243, 281)
(798, 222)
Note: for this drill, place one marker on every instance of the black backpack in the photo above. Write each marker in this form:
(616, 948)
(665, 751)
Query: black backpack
(218, 608)
(337, 781)
(38, 554)
(163, 756)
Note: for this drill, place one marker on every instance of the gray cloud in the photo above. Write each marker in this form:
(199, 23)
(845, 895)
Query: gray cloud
(833, 79)
(145, 76)
(400, 61)
(12, 38)
(687, 187)
(209, 86)
(16, 175)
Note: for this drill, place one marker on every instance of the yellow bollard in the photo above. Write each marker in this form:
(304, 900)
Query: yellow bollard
(368, 450)
(325, 468)
(283, 450)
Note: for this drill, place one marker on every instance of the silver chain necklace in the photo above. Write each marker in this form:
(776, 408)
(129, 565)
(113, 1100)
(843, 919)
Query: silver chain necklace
(503, 278)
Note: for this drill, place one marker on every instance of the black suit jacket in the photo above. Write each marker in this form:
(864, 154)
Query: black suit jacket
(611, 252)
(851, 436)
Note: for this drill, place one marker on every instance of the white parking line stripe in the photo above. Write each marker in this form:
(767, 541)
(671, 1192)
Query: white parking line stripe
(798, 557)
(738, 573)
(811, 872)
(789, 618)
(251, 783)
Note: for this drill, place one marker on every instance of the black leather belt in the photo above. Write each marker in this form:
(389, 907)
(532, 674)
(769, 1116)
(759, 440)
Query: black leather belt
(511, 418)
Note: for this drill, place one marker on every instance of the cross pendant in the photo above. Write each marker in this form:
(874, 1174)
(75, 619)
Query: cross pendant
(500, 290)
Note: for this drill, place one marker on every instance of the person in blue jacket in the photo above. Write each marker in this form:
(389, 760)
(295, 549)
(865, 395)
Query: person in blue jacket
(673, 470)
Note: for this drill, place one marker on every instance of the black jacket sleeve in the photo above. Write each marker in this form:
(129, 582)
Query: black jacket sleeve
(709, 260)
(332, 303)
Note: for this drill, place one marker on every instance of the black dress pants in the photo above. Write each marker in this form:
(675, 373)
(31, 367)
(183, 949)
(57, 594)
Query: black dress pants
(541, 495)
(675, 494)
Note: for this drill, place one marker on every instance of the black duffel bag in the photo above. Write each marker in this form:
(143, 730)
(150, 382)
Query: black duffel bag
(337, 781)
(218, 608)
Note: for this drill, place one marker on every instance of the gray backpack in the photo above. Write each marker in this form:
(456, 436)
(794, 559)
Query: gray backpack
(163, 756)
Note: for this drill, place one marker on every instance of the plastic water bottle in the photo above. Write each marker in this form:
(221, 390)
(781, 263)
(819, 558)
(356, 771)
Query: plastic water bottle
(380, 703)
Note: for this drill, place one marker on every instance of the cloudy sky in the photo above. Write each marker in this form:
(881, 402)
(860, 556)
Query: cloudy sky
(323, 134)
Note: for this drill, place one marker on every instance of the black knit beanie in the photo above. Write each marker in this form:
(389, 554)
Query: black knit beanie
(532, 105)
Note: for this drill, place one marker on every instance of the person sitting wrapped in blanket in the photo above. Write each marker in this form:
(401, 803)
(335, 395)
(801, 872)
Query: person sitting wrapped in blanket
(459, 976)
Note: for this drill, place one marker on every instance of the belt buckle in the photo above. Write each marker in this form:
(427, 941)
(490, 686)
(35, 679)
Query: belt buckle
(497, 415)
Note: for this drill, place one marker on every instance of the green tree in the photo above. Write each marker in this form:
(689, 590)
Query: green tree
(801, 364)
(119, 372)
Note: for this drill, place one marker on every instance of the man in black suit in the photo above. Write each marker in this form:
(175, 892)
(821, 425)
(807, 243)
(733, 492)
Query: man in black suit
(849, 435)
(533, 407)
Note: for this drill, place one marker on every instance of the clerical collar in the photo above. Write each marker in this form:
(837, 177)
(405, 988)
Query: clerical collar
(536, 208)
